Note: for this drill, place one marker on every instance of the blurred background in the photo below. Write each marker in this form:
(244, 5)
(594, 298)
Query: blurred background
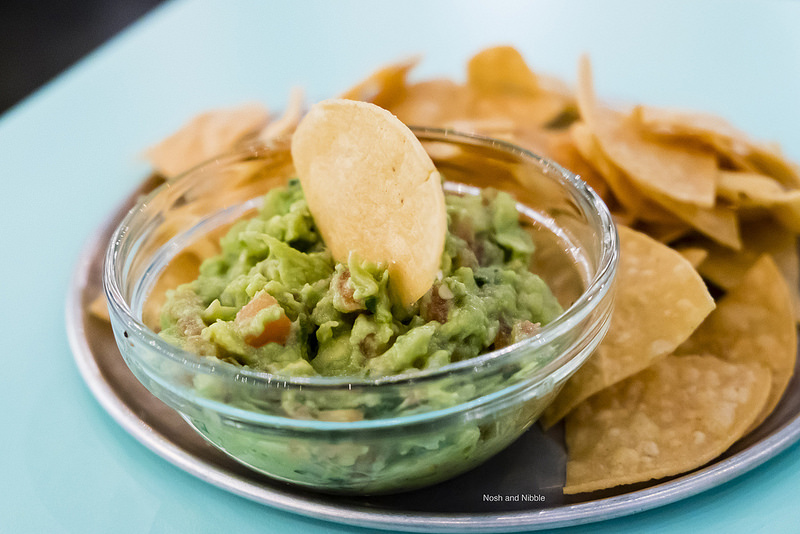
(38, 40)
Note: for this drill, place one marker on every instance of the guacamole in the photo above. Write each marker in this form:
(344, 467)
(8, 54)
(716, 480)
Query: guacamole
(274, 300)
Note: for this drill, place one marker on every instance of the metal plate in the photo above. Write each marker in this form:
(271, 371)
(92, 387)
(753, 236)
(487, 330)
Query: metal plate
(527, 476)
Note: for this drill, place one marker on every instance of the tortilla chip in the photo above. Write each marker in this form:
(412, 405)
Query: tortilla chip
(664, 232)
(749, 191)
(770, 161)
(695, 128)
(658, 169)
(205, 136)
(506, 87)
(373, 191)
(719, 223)
(753, 323)
(501, 69)
(671, 418)
(732, 144)
(183, 268)
(654, 181)
(632, 201)
(99, 307)
(726, 268)
(287, 122)
(385, 86)
(560, 147)
(675, 172)
(501, 98)
(694, 255)
(525, 111)
(433, 103)
(660, 300)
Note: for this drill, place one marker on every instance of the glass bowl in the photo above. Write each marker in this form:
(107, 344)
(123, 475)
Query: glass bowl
(411, 430)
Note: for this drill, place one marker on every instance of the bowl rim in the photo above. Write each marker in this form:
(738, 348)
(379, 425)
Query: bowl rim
(581, 193)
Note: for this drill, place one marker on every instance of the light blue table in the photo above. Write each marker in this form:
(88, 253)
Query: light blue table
(70, 153)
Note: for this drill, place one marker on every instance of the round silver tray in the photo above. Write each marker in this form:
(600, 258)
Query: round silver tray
(530, 472)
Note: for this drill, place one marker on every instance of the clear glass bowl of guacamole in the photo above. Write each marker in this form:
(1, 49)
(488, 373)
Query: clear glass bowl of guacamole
(335, 399)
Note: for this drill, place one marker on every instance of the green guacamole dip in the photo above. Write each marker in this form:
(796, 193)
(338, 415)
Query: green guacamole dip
(274, 300)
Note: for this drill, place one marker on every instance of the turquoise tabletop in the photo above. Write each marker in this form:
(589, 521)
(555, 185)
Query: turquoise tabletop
(72, 151)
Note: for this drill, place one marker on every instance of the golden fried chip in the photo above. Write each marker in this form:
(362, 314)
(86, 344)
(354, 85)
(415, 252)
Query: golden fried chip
(633, 202)
(730, 143)
(660, 300)
(726, 268)
(383, 87)
(748, 189)
(753, 322)
(789, 266)
(288, 121)
(205, 136)
(501, 98)
(498, 128)
(676, 172)
(182, 269)
(524, 111)
(770, 161)
(694, 255)
(504, 87)
(753, 190)
(99, 307)
(561, 148)
(373, 191)
(664, 232)
(719, 222)
(671, 418)
(501, 69)
(711, 129)
(433, 103)
(651, 178)
(698, 128)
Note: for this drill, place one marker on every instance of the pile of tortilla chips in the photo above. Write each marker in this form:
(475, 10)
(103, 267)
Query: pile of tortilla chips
(701, 209)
